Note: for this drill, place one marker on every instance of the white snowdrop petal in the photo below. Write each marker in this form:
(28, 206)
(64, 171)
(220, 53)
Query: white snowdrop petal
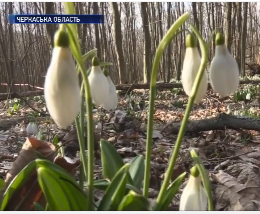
(61, 89)
(32, 128)
(98, 85)
(190, 70)
(111, 101)
(224, 72)
(194, 196)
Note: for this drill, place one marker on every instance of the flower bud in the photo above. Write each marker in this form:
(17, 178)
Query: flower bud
(190, 70)
(111, 101)
(32, 129)
(194, 196)
(98, 83)
(223, 72)
(61, 88)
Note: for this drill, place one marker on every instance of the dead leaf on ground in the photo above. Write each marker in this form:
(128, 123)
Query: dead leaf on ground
(233, 195)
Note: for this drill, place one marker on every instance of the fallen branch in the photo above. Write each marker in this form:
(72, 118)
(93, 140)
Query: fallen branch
(219, 122)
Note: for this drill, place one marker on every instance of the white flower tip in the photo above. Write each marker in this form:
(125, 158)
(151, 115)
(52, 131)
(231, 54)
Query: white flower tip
(194, 196)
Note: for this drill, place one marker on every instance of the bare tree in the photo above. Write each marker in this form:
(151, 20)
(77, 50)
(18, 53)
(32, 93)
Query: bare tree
(147, 44)
(243, 39)
(49, 9)
(228, 25)
(118, 43)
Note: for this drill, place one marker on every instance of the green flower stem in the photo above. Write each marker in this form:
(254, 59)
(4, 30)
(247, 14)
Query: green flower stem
(87, 165)
(159, 52)
(205, 179)
(90, 167)
(82, 128)
(195, 87)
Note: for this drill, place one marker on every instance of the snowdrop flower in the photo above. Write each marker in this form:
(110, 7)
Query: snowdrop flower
(223, 72)
(194, 196)
(98, 83)
(32, 129)
(111, 101)
(61, 89)
(190, 70)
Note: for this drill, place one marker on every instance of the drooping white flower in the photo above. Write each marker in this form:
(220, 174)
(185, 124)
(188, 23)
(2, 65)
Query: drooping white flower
(61, 88)
(224, 71)
(194, 196)
(32, 129)
(98, 83)
(190, 70)
(111, 101)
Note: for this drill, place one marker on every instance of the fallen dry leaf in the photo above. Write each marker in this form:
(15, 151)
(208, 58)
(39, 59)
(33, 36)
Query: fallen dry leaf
(235, 196)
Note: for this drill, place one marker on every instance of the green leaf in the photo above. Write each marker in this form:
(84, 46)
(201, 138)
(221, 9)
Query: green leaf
(55, 140)
(18, 181)
(15, 107)
(70, 9)
(38, 207)
(134, 202)
(40, 136)
(90, 54)
(170, 193)
(111, 160)
(87, 56)
(74, 44)
(2, 182)
(102, 184)
(119, 193)
(60, 189)
(116, 187)
(136, 171)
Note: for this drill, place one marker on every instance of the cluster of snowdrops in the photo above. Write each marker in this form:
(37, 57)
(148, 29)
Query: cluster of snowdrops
(63, 94)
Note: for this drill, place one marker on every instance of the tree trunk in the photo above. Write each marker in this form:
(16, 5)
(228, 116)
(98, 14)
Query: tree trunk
(243, 41)
(195, 16)
(239, 34)
(228, 38)
(147, 43)
(49, 9)
(95, 11)
(118, 43)
(169, 67)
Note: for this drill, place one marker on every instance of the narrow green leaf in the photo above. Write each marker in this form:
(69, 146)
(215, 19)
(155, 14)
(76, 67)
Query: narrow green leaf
(38, 207)
(134, 202)
(74, 44)
(55, 140)
(15, 107)
(87, 56)
(2, 182)
(170, 193)
(90, 54)
(59, 187)
(70, 9)
(112, 189)
(111, 160)
(52, 190)
(18, 181)
(119, 193)
(102, 184)
(136, 171)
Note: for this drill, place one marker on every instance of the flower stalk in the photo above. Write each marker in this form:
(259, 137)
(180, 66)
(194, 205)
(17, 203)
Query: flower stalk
(176, 149)
(159, 52)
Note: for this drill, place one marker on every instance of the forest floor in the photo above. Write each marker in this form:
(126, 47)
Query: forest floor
(232, 157)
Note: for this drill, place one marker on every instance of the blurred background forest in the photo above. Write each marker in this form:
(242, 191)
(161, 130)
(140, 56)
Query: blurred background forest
(128, 38)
